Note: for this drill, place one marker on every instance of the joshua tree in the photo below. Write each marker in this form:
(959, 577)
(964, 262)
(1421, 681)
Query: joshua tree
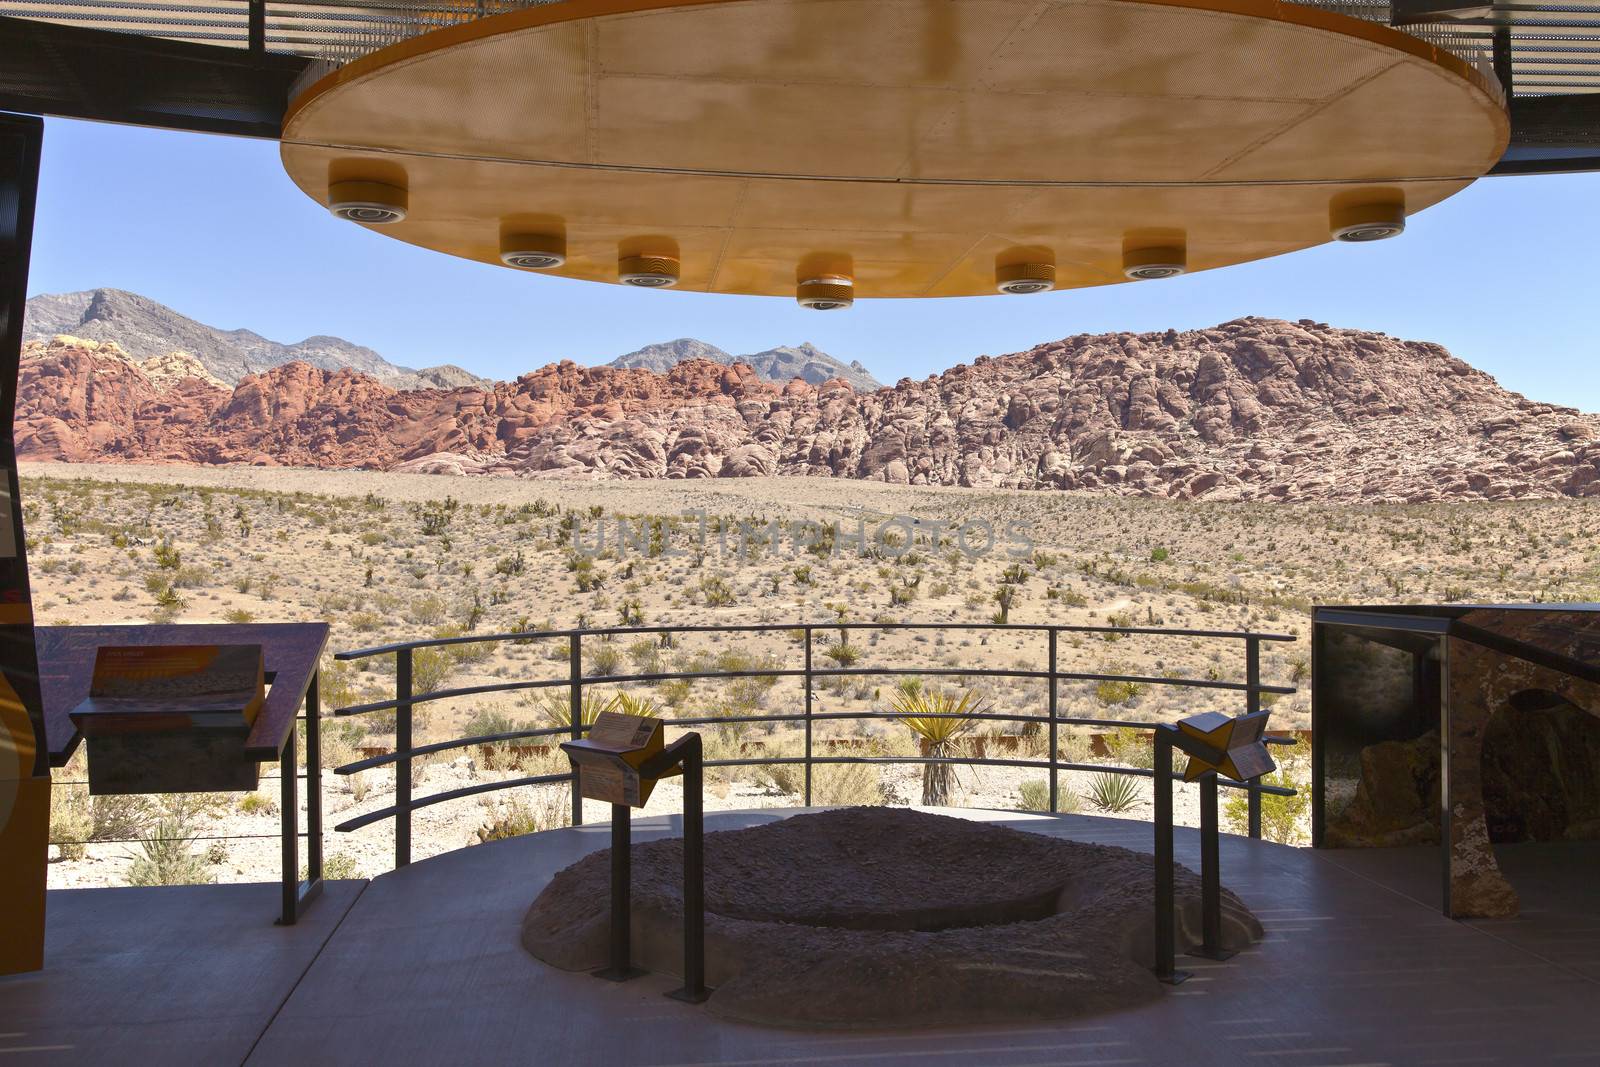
(937, 718)
(1003, 596)
(841, 612)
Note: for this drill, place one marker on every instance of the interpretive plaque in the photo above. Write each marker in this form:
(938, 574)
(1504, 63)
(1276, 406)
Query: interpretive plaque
(608, 759)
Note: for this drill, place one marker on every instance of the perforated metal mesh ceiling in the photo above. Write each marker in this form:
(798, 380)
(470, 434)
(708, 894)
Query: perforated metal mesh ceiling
(1551, 46)
(325, 29)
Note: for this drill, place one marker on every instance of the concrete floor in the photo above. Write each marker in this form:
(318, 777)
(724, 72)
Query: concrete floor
(179, 974)
(423, 966)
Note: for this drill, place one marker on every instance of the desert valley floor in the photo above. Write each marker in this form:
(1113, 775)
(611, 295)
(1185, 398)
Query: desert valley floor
(387, 557)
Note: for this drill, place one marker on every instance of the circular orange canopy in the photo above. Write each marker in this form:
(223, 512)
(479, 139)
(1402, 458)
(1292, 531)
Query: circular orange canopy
(912, 144)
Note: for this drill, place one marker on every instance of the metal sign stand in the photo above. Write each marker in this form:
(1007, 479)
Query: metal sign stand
(629, 773)
(1213, 742)
(687, 752)
(1166, 932)
(621, 966)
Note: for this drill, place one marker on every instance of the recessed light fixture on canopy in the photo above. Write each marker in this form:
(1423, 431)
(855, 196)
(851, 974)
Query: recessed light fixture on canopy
(938, 147)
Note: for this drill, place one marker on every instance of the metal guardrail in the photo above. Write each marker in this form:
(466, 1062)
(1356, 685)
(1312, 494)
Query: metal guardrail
(405, 701)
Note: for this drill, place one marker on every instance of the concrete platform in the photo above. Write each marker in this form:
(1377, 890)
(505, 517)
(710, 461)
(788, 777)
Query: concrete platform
(169, 974)
(425, 968)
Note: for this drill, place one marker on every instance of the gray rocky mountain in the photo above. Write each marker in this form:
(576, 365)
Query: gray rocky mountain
(780, 365)
(665, 355)
(146, 330)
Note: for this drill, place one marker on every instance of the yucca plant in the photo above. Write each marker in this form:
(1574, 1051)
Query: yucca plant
(558, 707)
(166, 858)
(1112, 793)
(938, 718)
(628, 704)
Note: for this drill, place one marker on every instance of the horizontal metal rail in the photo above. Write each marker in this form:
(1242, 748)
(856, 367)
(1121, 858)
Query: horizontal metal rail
(779, 627)
(406, 699)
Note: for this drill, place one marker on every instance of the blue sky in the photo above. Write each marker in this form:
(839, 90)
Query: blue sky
(212, 227)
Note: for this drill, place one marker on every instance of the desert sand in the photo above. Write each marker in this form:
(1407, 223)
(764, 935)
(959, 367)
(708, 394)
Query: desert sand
(386, 557)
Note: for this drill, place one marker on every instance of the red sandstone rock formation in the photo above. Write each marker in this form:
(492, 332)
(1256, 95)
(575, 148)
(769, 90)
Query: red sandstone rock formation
(1254, 409)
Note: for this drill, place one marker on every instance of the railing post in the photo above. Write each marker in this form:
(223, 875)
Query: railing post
(621, 967)
(402, 765)
(1054, 749)
(314, 779)
(1252, 704)
(289, 816)
(694, 989)
(808, 716)
(1165, 926)
(575, 680)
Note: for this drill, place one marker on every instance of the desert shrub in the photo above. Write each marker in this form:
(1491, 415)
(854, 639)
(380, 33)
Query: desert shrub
(192, 576)
(1113, 693)
(544, 809)
(789, 778)
(167, 856)
(1129, 748)
(675, 691)
(646, 656)
(419, 769)
(336, 684)
(365, 622)
(426, 610)
(470, 652)
(256, 804)
(716, 591)
(71, 820)
(746, 694)
(239, 615)
(431, 669)
(1112, 793)
(605, 659)
(1280, 816)
(119, 818)
(487, 721)
(840, 785)
(550, 761)
(1074, 747)
(1034, 796)
(336, 866)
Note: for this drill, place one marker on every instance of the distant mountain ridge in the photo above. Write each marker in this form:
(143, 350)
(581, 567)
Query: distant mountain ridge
(779, 365)
(145, 329)
(1253, 409)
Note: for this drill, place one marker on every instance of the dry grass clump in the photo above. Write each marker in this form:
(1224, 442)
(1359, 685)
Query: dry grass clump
(846, 785)
(525, 812)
